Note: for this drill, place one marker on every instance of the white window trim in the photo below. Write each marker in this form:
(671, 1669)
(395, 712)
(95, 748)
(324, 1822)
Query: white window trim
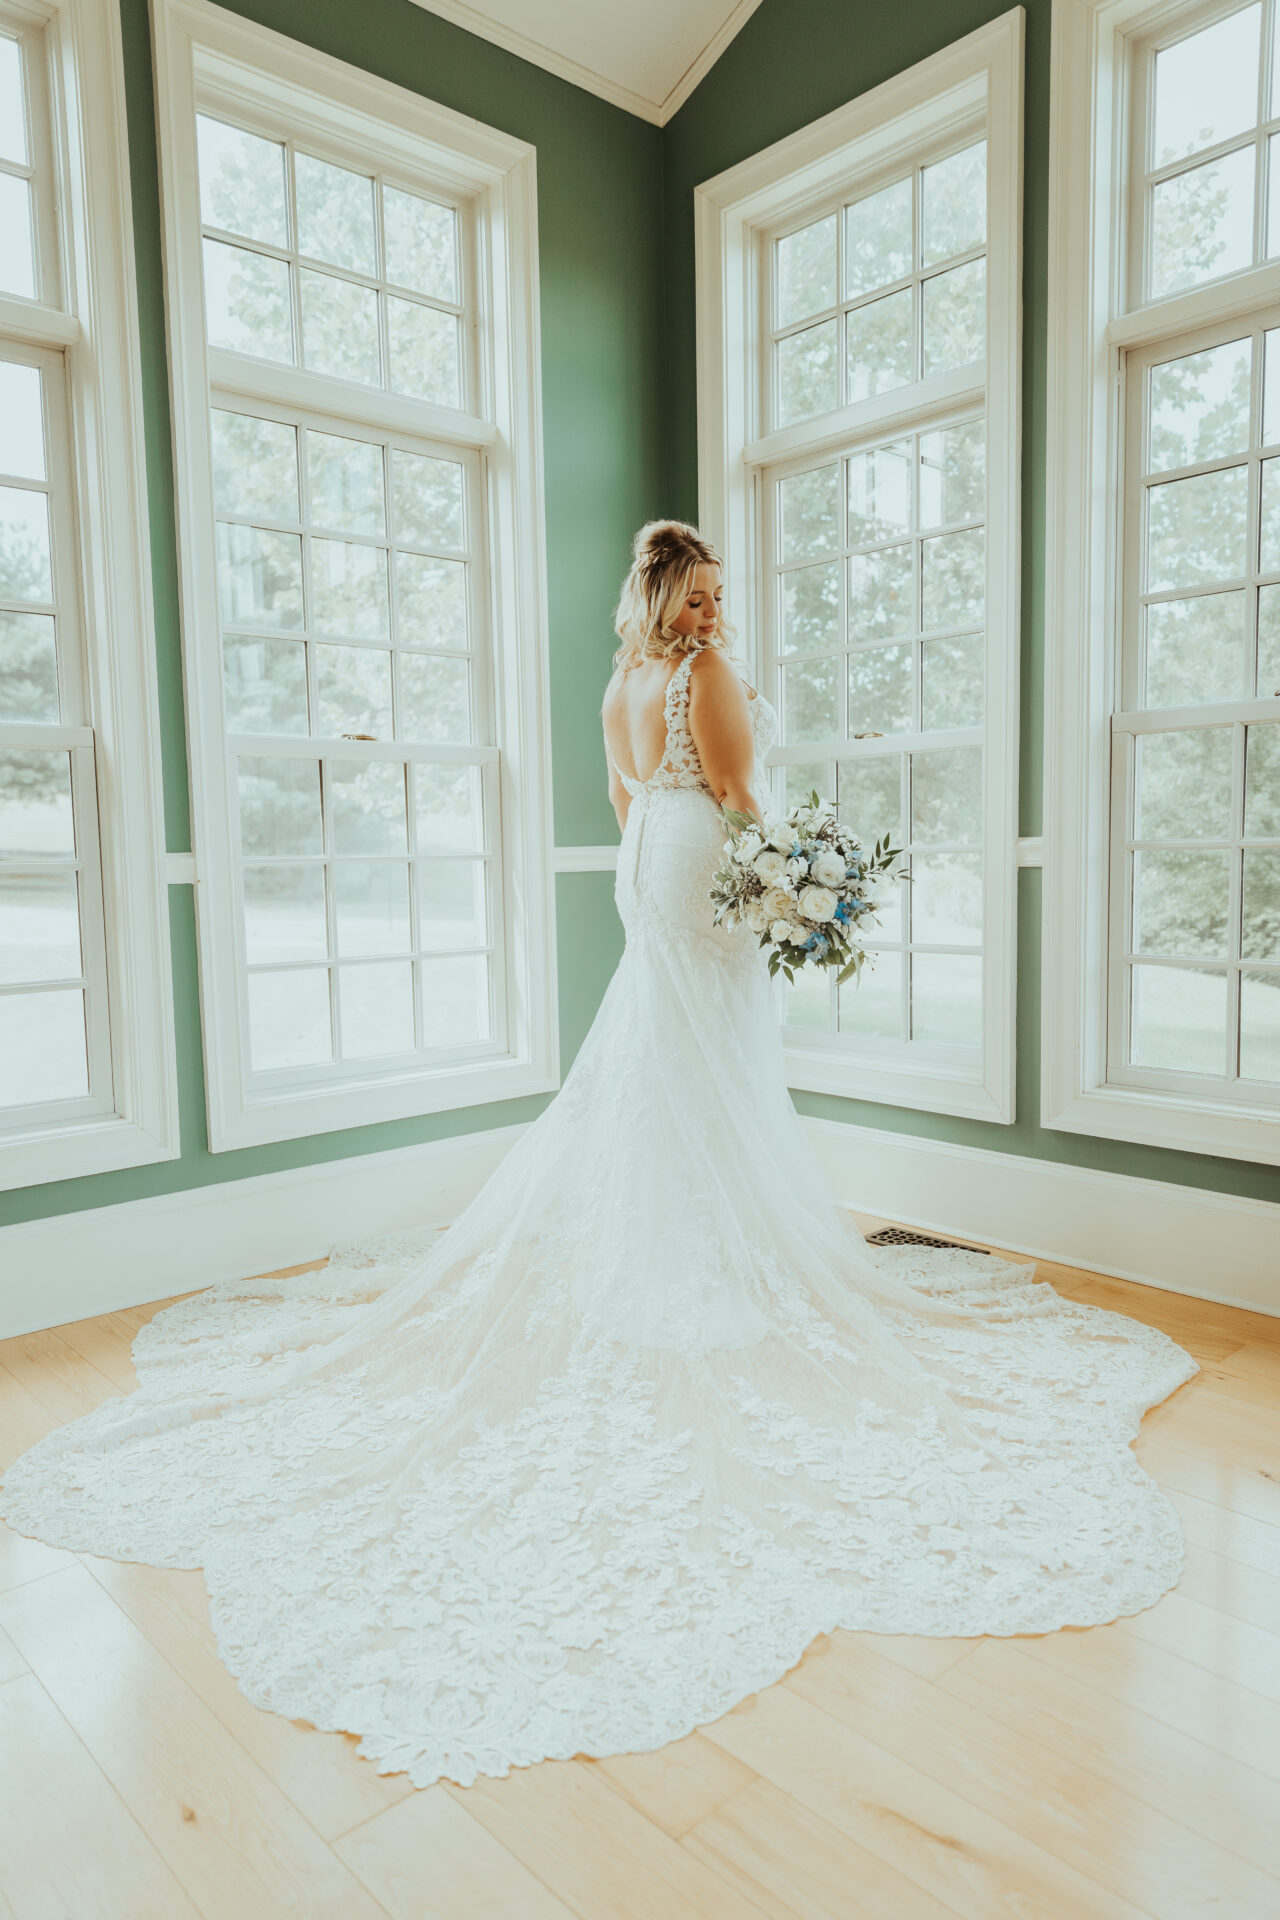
(1089, 329)
(979, 76)
(198, 43)
(96, 325)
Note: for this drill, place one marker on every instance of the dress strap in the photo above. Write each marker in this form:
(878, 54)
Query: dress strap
(675, 707)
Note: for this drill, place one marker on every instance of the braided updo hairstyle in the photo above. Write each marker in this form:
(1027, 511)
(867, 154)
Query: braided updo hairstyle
(665, 554)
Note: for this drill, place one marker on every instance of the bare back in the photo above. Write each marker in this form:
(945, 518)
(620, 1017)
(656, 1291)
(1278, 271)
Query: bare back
(635, 725)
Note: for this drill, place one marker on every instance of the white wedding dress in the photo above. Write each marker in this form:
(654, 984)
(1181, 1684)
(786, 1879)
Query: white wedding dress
(581, 1472)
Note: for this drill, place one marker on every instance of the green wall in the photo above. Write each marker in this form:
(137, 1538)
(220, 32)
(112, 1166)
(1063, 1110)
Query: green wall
(793, 61)
(615, 216)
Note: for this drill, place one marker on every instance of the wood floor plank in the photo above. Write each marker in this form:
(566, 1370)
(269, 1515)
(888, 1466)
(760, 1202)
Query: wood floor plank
(919, 1653)
(23, 1420)
(593, 1849)
(55, 1375)
(1198, 1417)
(1232, 1805)
(1243, 1489)
(1231, 1587)
(222, 1826)
(1235, 1536)
(23, 1559)
(11, 1661)
(1161, 1308)
(1230, 1647)
(1262, 1361)
(429, 1859)
(1091, 1823)
(678, 1785)
(951, 1849)
(796, 1866)
(321, 1773)
(50, 1790)
(105, 1346)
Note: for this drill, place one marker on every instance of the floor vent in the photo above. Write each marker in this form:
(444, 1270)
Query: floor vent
(903, 1237)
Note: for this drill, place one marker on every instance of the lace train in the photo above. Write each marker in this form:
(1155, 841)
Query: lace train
(581, 1472)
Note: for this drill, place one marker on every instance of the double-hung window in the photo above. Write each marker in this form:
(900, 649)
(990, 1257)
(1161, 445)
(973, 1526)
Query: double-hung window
(1163, 852)
(86, 1047)
(354, 298)
(860, 464)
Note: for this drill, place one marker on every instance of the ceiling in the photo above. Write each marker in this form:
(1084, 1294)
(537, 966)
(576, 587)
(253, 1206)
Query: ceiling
(645, 57)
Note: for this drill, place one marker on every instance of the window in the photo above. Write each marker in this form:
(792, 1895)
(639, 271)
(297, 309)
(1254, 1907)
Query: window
(1164, 998)
(86, 1052)
(351, 276)
(866, 491)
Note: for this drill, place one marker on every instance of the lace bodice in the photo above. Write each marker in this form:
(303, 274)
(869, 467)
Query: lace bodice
(680, 765)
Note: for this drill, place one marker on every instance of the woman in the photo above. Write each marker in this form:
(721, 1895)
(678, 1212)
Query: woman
(610, 1452)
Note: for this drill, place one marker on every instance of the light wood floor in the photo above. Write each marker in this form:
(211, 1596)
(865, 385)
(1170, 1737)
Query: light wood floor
(1128, 1770)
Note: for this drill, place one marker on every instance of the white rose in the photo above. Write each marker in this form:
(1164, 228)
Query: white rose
(828, 869)
(783, 838)
(797, 867)
(778, 903)
(748, 847)
(757, 916)
(781, 931)
(770, 866)
(817, 903)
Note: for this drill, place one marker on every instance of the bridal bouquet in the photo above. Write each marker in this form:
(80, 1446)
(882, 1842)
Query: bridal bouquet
(803, 883)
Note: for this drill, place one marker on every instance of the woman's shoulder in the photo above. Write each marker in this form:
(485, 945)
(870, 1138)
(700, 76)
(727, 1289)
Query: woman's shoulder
(718, 673)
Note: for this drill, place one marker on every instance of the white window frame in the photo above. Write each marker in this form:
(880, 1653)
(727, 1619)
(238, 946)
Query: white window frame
(972, 87)
(1092, 326)
(208, 56)
(88, 320)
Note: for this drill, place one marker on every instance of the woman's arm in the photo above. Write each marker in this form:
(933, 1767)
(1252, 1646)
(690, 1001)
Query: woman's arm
(618, 794)
(720, 722)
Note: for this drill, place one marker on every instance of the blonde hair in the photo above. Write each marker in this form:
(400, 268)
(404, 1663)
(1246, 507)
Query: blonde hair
(665, 554)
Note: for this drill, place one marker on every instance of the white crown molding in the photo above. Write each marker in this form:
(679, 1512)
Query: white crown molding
(656, 112)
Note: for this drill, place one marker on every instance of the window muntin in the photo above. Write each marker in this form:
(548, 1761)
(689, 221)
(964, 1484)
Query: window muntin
(319, 265)
(882, 291)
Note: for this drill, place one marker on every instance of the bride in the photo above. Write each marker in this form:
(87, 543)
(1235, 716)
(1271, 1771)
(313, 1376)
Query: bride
(580, 1473)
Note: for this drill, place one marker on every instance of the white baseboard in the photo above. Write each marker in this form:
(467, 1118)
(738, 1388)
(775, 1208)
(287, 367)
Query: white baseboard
(76, 1265)
(1184, 1239)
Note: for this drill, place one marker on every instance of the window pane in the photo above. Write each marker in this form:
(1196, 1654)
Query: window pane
(1179, 1019)
(809, 513)
(1269, 545)
(1260, 1026)
(448, 815)
(371, 902)
(21, 420)
(1261, 939)
(806, 1001)
(24, 545)
(353, 691)
(35, 804)
(1268, 642)
(435, 699)
(42, 1047)
(349, 589)
(260, 576)
(39, 927)
(946, 899)
(879, 494)
(946, 998)
(376, 1006)
(877, 239)
(811, 608)
(455, 999)
(1206, 87)
(17, 252)
(953, 474)
(284, 917)
(28, 667)
(954, 579)
(880, 689)
(1184, 785)
(807, 271)
(871, 797)
(874, 1004)
(279, 806)
(1262, 783)
(335, 215)
(241, 182)
(1196, 649)
(1180, 903)
(421, 244)
(13, 111)
(946, 797)
(368, 806)
(807, 372)
(265, 685)
(247, 302)
(1200, 406)
(879, 346)
(1271, 388)
(344, 483)
(425, 357)
(811, 699)
(1197, 530)
(951, 691)
(955, 317)
(1202, 223)
(954, 205)
(255, 466)
(810, 776)
(451, 907)
(289, 1022)
(340, 328)
(431, 601)
(428, 500)
(881, 593)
